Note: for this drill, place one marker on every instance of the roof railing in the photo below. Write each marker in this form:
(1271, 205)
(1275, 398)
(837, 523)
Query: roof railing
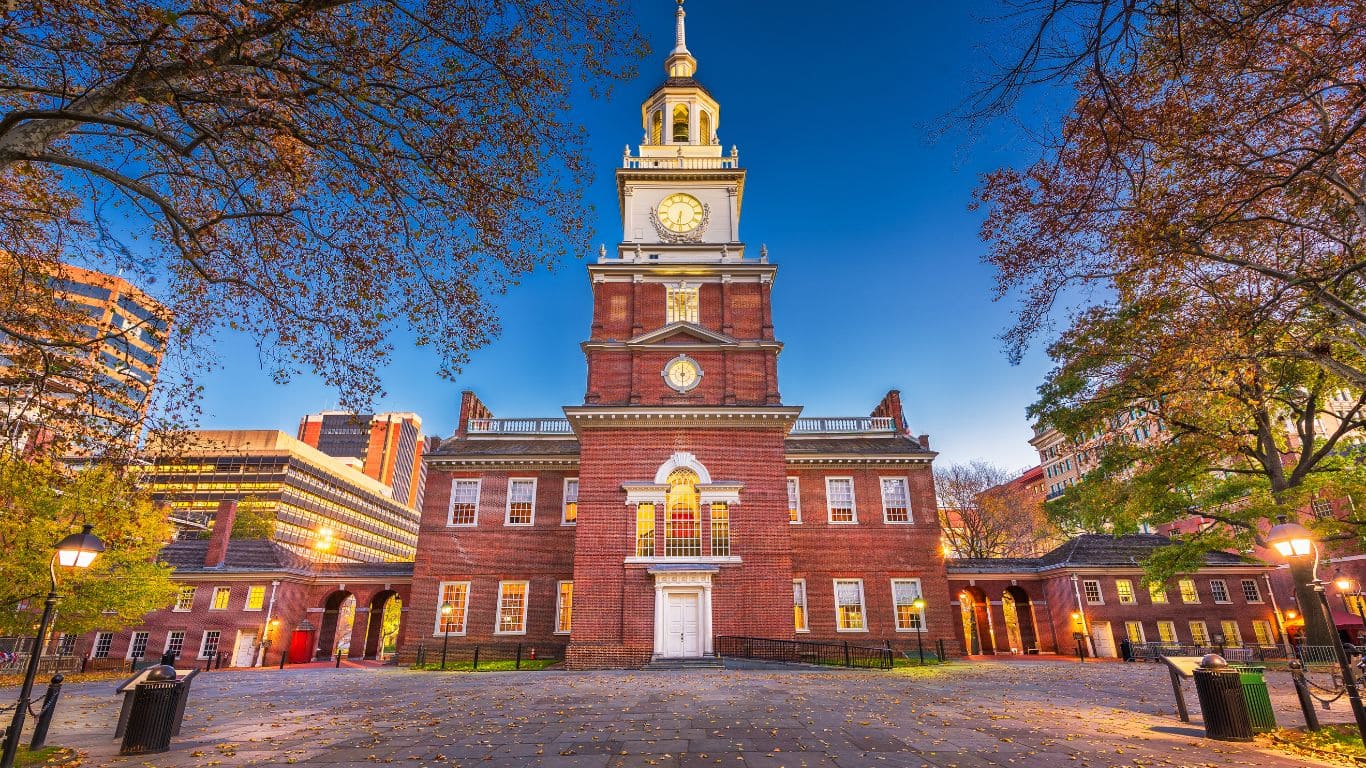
(843, 425)
(520, 427)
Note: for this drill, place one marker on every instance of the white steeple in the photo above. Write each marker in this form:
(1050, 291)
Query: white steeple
(680, 62)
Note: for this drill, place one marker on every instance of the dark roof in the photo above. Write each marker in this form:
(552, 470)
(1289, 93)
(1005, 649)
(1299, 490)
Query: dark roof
(861, 446)
(356, 570)
(243, 555)
(681, 82)
(1090, 550)
(507, 447)
(993, 564)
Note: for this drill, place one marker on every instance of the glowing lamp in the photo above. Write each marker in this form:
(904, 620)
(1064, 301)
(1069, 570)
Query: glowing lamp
(1291, 540)
(79, 550)
(447, 609)
(919, 603)
(1343, 583)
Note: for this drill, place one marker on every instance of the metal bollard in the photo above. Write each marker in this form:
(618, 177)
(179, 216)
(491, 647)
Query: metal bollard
(1311, 717)
(283, 655)
(476, 658)
(54, 690)
(518, 665)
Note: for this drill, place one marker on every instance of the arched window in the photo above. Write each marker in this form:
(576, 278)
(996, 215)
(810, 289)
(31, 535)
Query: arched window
(682, 522)
(681, 124)
(705, 118)
(657, 128)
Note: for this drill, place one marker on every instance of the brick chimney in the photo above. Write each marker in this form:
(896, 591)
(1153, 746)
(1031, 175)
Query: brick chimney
(221, 534)
(891, 407)
(470, 408)
(924, 441)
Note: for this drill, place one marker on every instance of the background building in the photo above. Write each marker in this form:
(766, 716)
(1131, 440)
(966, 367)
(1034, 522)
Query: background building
(386, 446)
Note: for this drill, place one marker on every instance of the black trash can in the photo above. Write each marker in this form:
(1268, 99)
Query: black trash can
(153, 718)
(1220, 690)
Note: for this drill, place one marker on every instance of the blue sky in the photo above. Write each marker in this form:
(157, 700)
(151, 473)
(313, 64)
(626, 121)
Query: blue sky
(880, 282)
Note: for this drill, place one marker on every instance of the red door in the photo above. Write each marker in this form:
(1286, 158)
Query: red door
(301, 646)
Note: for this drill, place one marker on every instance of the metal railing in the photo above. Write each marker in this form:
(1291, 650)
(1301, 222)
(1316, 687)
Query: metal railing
(520, 427)
(1311, 655)
(804, 652)
(844, 424)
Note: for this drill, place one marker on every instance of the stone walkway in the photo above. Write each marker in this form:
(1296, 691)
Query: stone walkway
(1038, 715)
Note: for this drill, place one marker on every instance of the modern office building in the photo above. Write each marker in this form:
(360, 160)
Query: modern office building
(385, 446)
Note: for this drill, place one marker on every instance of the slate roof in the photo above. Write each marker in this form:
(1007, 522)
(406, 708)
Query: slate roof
(681, 82)
(1090, 550)
(507, 447)
(859, 446)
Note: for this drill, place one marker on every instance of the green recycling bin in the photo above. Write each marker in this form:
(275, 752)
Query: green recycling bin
(1258, 700)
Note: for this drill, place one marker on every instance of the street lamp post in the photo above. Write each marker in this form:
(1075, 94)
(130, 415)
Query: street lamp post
(446, 611)
(78, 550)
(1294, 542)
(920, 636)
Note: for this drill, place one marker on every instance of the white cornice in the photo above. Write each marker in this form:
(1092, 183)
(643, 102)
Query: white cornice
(854, 458)
(630, 417)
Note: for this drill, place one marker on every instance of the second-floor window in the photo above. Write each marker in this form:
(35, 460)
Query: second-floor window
(794, 500)
(521, 502)
(1125, 589)
(839, 495)
(682, 516)
(221, 596)
(1157, 593)
(682, 304)
(720, 530)
(464, 502)
(1219, 589)
(896, 500)
(1092, 591)
(645, 530)
(1251, 592)
(1188, 593)
(571, 501)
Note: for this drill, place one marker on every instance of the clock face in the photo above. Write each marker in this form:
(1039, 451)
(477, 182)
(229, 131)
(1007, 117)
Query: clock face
(680, 213)
(682, 373)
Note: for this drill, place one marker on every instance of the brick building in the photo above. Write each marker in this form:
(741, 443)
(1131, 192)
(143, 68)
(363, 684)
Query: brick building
(683, 500)
(385, 446)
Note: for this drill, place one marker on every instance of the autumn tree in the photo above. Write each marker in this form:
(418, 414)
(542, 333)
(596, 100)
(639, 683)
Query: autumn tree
(984, 514)
(313, 173)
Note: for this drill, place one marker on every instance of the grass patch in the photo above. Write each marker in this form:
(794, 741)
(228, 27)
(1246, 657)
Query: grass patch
(68, 678)
(914, 661)
(489, 666)
(1340, 740)
(27, 759)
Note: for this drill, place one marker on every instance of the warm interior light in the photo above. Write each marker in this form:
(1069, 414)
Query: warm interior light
(1343, 583)
(1291, 615)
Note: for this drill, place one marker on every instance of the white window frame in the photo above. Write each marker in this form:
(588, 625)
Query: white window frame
(498, 612)
(255, 589)
(507, 505)
(853, 502)
(133, 644)
(794, 496)
(559, 606)
(204, 642)
(478, 495)
(1270, 633)
(882, 491)
(464, 609)
(1214, 594)
(564, 502)
(806, 608)
(1119, 593)
(1256, 590)
(862, 605)
(1237, 632)
(1142, 635)
(1159, 589)
(213, 599)
(896, 615)
(108, 638)
(171, 634)
(194, 592)
(1086, 595)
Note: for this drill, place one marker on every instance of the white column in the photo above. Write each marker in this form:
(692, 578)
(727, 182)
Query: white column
(706, 618)
(659, 620)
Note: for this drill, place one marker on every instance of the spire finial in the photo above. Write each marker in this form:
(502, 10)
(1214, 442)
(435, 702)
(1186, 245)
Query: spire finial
(681, 33)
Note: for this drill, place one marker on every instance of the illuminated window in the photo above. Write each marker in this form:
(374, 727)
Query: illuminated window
(456, 594)
(896, 500)
(1261, 629)
(511, 608)
(256, 598)
(657, 128)
(521, 502)
(1125, 588)
(645, 530)
(1091, 589)
(849, 605)
(1188, 593)
(904, 594)
(221, 596)
(681, 304)
(184, 599)
(564, 608)
(1251, 591)
(571, 501)
(720, 530)
(794, 500)
(464, 502)
(1232, 635)
(208, 646)
(137, 647)
(680, 124)
(705, 118)
(1199, 633)
(682, 521)
(839, 499)
(1166, 630)
(1219, 590)
(1157, 593)
(799, 605)
(1134, 630)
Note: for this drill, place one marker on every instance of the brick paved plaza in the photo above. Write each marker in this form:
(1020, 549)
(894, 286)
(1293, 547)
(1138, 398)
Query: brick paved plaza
(1040, 715)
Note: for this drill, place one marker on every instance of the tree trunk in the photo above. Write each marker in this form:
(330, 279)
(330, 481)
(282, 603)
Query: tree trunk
(1318, 626)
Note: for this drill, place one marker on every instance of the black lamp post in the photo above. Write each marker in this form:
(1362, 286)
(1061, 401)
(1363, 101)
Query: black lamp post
(920, 635)
(78, 550)
(1294, 542)
(446, 611)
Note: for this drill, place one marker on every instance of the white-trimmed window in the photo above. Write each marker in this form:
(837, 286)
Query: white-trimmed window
(1199, 633)
(137, 646)
(208, 646)
(1261, 629)
(909, 618)
(720, 529)
(896, 500)
(1157, 593)
(645, 530)
(1232, 635)
(794, 500)
(682, 303)
(1125, 589)
(521, 509)
(464, 503)
(839, 500)
(1166, 630)
(1091, 589)
(570, 516)
(1188, 593)
(221, 597)
(456, 594)
(175, 641)
(103, 641)
(849, 606)
(1252, 591)
(184, 599)
(512, 596)
(256, 598)
(67, 645)
(1134, 630)
(564, 608)
(1219, 589)
(799, 606)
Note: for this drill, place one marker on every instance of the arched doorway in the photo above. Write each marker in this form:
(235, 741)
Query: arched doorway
(1019, 613)
(339, 614)
(386, 611)
(977, 633)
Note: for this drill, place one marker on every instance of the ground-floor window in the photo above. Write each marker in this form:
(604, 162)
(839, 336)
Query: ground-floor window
(1232, 636)
(1134, 629)
(1262, 631)
(137, 647)
(175, 642)
(1199, 633)
(645, 530)
(103, 641)
(208, 648)
(909, 616)
(564, 607)
(799, 605)
(512, 596)
(452, 606)
(67, 645)
(849, 605)
(1166, 630)
(720, 530)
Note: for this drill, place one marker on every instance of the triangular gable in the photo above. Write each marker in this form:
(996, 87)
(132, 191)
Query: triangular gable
(688, 331)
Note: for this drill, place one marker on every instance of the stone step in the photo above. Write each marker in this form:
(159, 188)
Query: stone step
(702, 662)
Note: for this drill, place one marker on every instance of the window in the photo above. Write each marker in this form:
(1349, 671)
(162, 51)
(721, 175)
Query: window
(1166, 630)
(1091, 588)
(645, 530)
(1157, 593)
(564, 608)
(904, 594)
(1188, 593)
(682, 522)
(137, 647)
(839, 499)
(1261, 629)
(256, 598)
(896, 500)
(657, 129)
(799, 605)
(1321, 508)
(103, 640)
(681, 304)
(705, 138)
(184, 599)
(794, 500)
(720, 530)
(1251, 592)
(208, 647)
(1199, 633)
(221, 596)
(1219, 589)
(175, 641)
(1125, 588)
(66, 645)
(571, 501)
(521, 502)
(511, 608)
(680, 123)
(464, 502)
(1232, 636)
(1134, 630)
(456, 594)
(849, 605)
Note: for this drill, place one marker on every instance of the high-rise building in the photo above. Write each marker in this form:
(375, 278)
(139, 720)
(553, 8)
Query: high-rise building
(385, 446)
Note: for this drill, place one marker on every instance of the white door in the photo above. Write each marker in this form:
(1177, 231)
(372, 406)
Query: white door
(683, 628)
(244, 655)
(1104, 640)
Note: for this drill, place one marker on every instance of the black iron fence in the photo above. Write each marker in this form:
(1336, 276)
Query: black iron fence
(485, 655)
(1311, 655)
(805, 652)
